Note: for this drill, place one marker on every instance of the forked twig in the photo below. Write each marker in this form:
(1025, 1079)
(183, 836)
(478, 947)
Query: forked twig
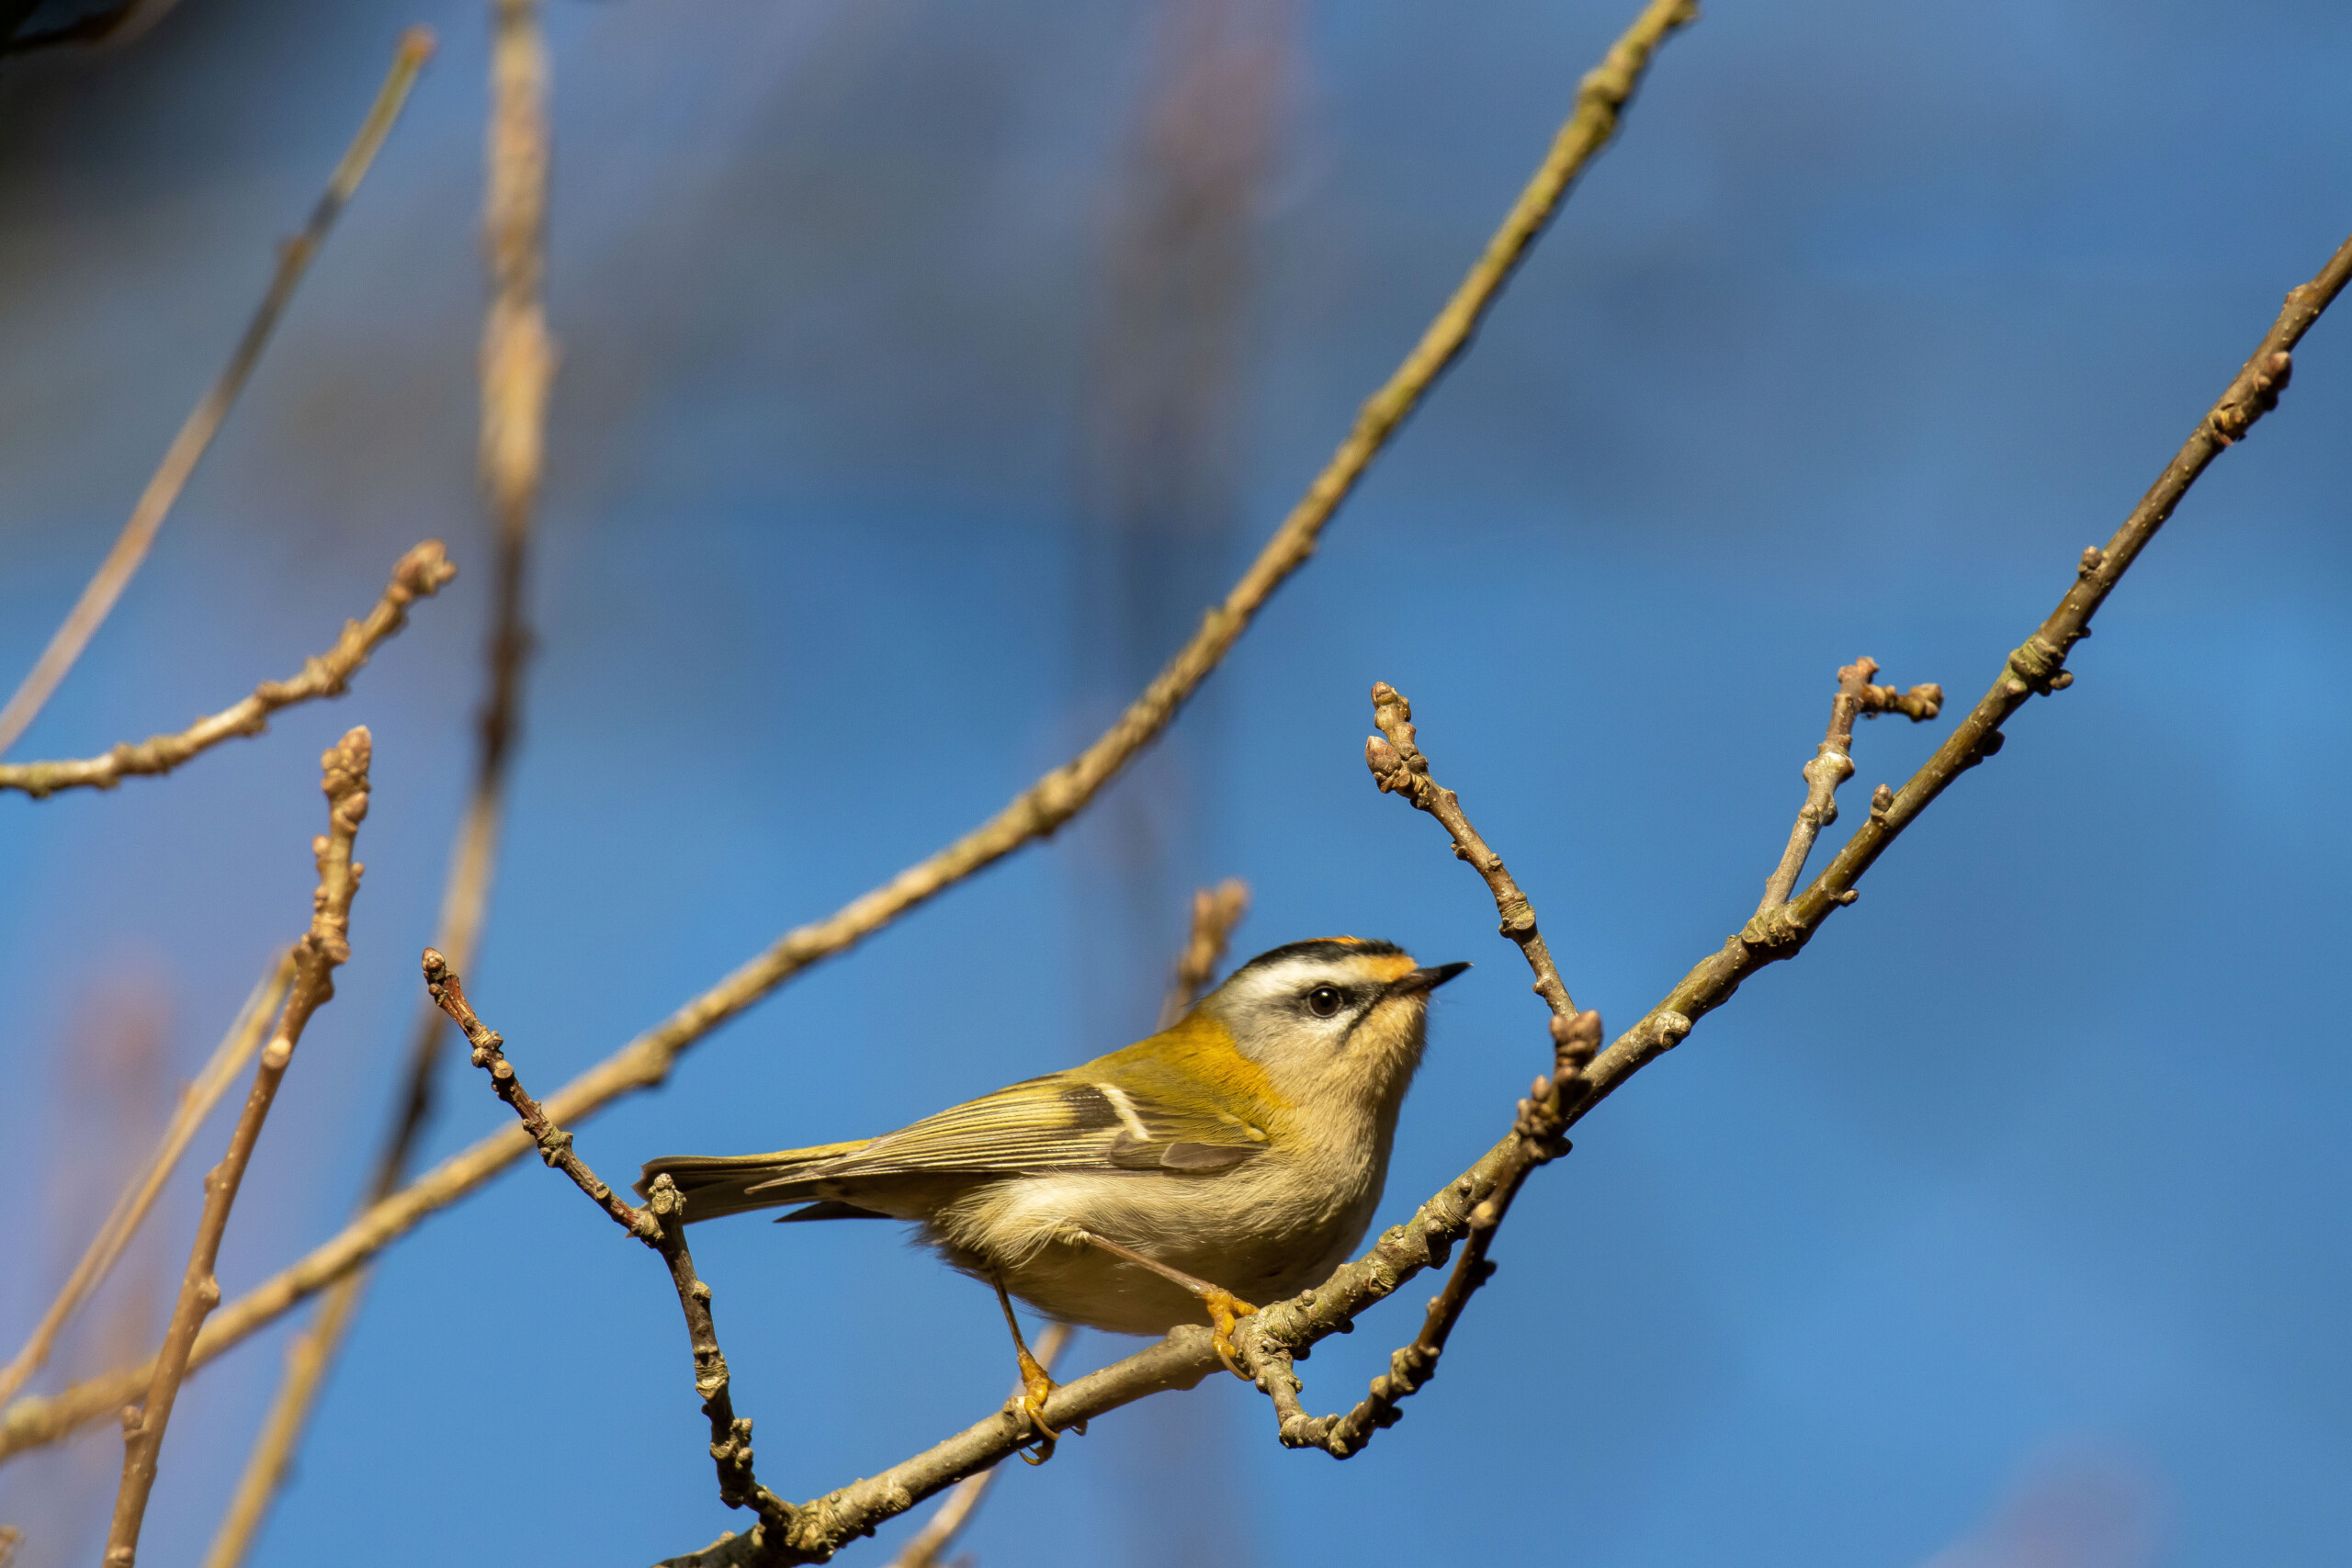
(187, 449)
(1036, 813)
(419, 574)
(326, 945)
(1833, 764)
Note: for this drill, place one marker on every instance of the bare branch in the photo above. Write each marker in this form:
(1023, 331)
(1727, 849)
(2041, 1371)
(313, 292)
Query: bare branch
(1581, 1080)
(187, 448)
(1833, 764)
(1036, 813)
(661, 1226)
(1398, 767)
(517, 363)
(1216, 913)
(2036, 665)
(129, 1211)
(326, 945)
(419, 574)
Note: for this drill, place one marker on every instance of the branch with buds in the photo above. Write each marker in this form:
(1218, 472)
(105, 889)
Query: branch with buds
(1833, 764)
(661, 1224)
(325, 946)
(419, 574)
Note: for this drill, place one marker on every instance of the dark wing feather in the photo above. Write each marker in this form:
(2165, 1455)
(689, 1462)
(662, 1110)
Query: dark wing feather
(829, 1212)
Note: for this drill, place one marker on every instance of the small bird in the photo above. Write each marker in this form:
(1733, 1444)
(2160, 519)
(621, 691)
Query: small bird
(1235, 1157)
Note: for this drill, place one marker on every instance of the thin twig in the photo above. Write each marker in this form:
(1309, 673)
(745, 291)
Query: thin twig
(1036, 813)
(229, 1058)
(1425, 1241)
(929, 1544)
(1833, 763)
(516, 363)
(661, 1226)
(316, 956)
(187, 448)
(1216, 912)
(1399, 768)
(419, 574)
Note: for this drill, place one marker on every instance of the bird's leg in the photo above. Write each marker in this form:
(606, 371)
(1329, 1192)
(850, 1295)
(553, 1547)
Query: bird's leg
(1036, 1386)
(1225, 1309)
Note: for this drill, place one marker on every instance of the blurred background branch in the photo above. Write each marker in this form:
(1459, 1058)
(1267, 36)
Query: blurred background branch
(518, 362)
(187, 448)
(196, 1102)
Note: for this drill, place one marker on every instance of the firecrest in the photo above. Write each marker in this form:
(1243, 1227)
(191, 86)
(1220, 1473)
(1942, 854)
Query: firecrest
(1235, 1157)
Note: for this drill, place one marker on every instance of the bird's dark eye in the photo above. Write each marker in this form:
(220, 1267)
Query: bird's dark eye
(1323, 1000)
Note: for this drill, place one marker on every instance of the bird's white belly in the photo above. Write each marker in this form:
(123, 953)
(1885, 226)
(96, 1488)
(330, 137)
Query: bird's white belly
(1246, 1231)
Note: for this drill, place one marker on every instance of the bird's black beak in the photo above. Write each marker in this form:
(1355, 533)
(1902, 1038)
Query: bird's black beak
(1427, 979)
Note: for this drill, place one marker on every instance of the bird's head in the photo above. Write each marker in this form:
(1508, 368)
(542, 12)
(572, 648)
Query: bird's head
(1337, 1017)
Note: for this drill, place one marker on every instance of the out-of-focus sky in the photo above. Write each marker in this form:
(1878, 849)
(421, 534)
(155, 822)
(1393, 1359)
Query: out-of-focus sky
(2005, 1226)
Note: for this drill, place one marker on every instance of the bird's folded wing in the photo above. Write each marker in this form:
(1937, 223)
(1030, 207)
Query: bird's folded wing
(1062, 1123)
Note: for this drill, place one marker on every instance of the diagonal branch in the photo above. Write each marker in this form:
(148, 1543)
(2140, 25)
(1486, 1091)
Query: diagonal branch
(236, 1048)
(325, 946)
(1036, 813)
(661, 1226)
(2036, 667)
(419, 574)
(187, 448)
(1426, 1240)
(518, 362)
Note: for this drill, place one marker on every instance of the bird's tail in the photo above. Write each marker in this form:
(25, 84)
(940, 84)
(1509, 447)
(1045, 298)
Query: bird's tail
(717, 1185)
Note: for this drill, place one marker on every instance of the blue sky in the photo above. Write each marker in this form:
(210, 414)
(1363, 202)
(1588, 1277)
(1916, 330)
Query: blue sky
(2023, 1189)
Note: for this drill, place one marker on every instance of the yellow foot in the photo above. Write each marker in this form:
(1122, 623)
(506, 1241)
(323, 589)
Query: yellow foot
(1225, 1312)
(1035, 1389)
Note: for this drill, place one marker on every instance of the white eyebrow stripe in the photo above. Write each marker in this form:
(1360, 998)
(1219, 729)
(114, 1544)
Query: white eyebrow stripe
(1125, 1108)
